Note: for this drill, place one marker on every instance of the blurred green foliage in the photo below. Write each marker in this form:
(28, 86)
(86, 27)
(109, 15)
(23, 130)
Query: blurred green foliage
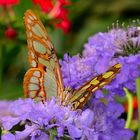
(87, 18)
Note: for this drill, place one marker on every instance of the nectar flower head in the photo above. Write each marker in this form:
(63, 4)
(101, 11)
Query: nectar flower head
(56, 10)
(10, 33)
(38, 120)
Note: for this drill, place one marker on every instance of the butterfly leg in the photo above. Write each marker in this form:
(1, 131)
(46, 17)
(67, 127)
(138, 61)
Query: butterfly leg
(33, 87)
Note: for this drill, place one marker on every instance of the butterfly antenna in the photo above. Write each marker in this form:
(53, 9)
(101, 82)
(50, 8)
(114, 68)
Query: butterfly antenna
(79, 60)
(69, 72)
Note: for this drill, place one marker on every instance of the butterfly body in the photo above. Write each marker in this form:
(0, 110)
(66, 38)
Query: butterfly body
(44, 78)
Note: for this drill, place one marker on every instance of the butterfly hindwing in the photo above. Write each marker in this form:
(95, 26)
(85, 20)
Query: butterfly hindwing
(33, 84)
(82, 95)
(42, 56)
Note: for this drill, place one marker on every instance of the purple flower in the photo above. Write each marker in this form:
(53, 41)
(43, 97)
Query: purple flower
(8, 136)
(30, 131)
(75, 71)
(4, 108)
(103, 50)
(101, 122)
(39, 121)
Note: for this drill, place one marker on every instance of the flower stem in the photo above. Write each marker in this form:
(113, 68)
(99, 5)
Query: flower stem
(138, 97)
(53, 133)
(51, 136)
(130, 108)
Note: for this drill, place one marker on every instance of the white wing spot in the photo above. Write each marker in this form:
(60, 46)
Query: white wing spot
(94, 89)
(102, 84)
(38, 31)
(37, 74)
(32, 94)
(32, 54)
(29, 21)
(34, 80)
(33, 87)
(40, 48)
(34, 64)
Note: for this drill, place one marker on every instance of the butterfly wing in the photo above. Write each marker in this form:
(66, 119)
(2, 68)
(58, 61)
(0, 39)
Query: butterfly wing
(82, 95)
(43, 60)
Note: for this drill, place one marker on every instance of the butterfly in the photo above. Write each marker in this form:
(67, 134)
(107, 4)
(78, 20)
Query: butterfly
(44, 78)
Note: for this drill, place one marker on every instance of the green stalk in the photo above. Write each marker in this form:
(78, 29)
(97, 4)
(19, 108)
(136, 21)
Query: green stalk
(138, 97)
(52, 136)
(130, 108)
(53, 133)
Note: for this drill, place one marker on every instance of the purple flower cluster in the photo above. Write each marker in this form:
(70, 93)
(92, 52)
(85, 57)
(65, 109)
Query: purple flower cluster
(103, 50)
(75, 71)
(51, 120)
(39, 121)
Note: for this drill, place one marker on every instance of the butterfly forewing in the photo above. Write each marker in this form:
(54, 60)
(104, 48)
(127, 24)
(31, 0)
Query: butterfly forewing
(82, 95)
(42, 56)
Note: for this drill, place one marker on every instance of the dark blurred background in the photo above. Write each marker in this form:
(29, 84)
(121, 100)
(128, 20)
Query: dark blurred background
(86, 17)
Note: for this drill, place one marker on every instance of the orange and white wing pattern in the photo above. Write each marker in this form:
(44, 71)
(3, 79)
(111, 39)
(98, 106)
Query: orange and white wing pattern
(44, 76)
(82, 95)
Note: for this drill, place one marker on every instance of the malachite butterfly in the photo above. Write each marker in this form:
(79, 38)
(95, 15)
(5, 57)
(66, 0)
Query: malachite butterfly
(44, 78)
